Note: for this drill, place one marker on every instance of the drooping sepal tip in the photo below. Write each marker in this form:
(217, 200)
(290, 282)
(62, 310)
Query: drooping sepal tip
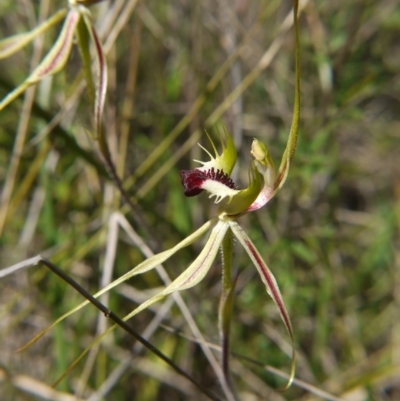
(271, 286)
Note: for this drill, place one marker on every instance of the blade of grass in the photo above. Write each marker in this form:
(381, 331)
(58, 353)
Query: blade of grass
(21, 131)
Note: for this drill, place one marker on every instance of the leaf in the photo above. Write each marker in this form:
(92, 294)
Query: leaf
(53, 62)
(83, 39)
(102, 77)
(269, 280)
(12, 44)
(143, 267)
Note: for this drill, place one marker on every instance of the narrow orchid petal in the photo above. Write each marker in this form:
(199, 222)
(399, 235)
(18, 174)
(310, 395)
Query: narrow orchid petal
(189, 278)
(58, 55)
(102, 77)
(294, 128)
(161, 257)
(53, 62)
(143, 267)
(269, 280)
(14, 43)
(195, 272)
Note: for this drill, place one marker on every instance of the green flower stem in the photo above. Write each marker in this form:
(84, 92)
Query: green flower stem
(226, 304)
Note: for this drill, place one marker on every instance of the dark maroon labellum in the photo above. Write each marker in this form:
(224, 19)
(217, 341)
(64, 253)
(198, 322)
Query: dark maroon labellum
(193, 179)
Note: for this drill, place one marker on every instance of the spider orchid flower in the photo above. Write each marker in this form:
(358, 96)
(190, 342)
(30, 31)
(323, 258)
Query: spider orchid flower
(213, 176)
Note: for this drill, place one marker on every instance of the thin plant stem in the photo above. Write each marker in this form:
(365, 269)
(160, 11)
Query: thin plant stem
(226, 305)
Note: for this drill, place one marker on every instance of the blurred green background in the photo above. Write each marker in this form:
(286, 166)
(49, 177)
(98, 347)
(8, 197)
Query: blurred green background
(330, 236)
